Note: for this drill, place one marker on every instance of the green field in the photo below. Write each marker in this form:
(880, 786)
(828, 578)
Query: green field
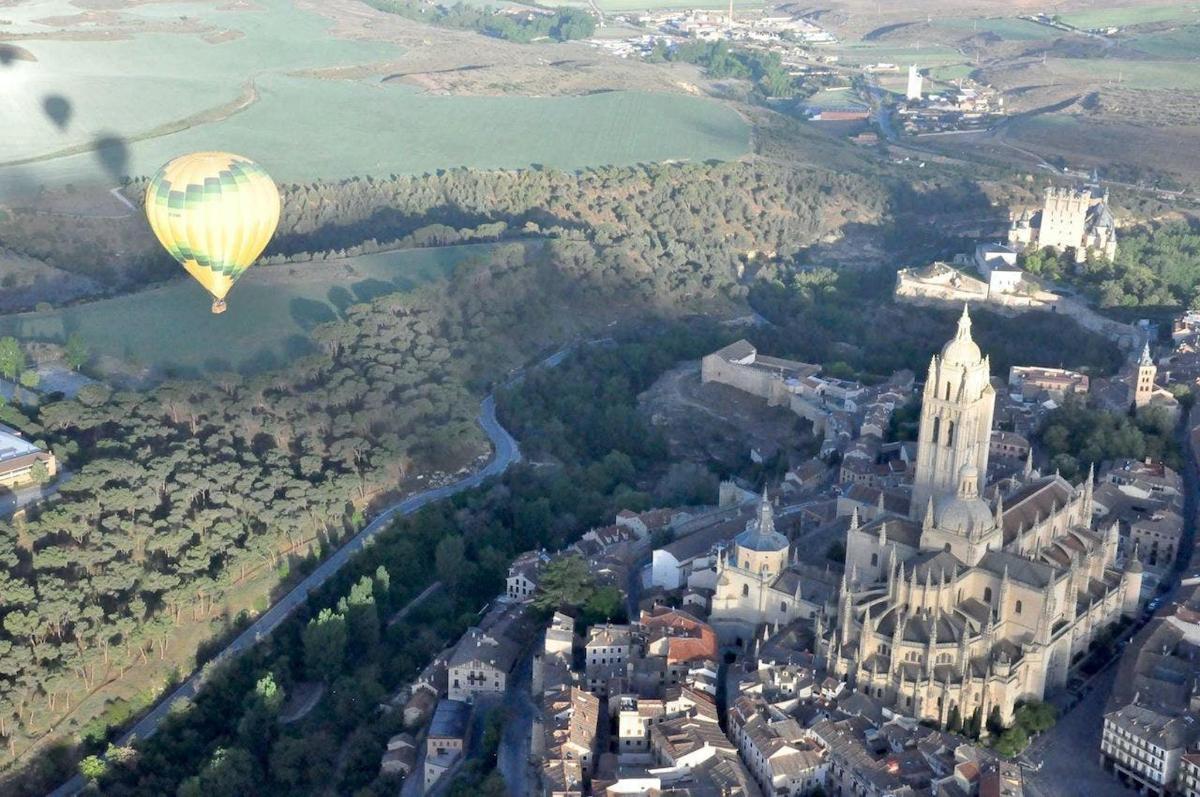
(835, 98)
(1131, 15)
(950, 72)
(302, 128)
(869, 53)
(1151, 75)
(619, 6)
(270, 311)
(1183, 42)
(1006, 28)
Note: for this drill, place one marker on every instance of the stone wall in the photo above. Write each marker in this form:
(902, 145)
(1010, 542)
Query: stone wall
(934, 286)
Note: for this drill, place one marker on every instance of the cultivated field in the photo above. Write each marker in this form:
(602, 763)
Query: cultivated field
(271, 310)
(271, 81)
(1131, 14)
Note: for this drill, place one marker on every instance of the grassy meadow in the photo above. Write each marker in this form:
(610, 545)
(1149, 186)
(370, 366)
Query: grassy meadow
(1147, 75)
(165, 93)
(271, 310)
(1122, 16)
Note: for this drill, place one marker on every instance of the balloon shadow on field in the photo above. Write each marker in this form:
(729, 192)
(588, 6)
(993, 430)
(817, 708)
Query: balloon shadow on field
(58, 109)
(340, 298)
(309, 313)
(368, 289)
(113, 154)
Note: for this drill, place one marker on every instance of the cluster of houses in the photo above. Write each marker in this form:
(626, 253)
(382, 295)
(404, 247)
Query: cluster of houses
(1151, 733)
(965, 107)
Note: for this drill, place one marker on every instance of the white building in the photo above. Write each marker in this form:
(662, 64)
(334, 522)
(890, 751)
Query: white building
(913, 90)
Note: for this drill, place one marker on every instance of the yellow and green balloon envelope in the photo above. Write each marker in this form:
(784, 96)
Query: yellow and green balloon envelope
(214, 212)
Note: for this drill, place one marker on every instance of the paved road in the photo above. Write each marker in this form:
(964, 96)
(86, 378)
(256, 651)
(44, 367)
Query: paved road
(507, 452)
(1070, 751)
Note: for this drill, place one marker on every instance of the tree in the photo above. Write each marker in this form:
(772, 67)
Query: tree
(93, 767)
(30, 379)
(450, 561)
(686, 484)
(325, 646)
(566, 583)
(12, 359)
(954, 720)
(77, 351)
(40, 473)
(605, 604)
(1012, 741)
(1036, 717)
(229, 771)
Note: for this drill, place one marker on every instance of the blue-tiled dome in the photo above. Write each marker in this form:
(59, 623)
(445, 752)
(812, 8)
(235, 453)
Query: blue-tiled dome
(760, 533)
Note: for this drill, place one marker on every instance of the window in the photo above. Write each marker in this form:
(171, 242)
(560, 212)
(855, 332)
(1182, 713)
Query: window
(1018, 607)
(947, 396)
(745, 590)
(987, 595)
(874, 559)
(937, 425)
(950, 433)
(783, 606)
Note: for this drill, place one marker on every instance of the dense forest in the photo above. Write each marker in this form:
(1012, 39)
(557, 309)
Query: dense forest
(182, 491)
(1155, 266)
(533, 23)
(682, 228)
(846, 322)
(606, 458)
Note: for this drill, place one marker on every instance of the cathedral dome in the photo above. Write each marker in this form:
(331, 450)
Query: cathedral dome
(962, 515)
(964, 512)
(961, 349)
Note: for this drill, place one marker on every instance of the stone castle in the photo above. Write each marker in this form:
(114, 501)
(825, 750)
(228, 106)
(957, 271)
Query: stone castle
(1075, 219)
(967, 604)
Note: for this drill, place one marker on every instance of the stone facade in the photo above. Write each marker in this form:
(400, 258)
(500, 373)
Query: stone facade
(1075, 219)
(968, 606)
(758, 585)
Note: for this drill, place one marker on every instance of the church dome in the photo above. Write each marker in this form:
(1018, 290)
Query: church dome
(961, 349)
(760, 533)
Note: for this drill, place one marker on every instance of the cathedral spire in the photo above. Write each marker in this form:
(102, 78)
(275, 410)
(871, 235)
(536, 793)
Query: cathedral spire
(1146, 359)
(928, 522)
(999, 509)
(964, 323)
(1028, 464)
(854, 519)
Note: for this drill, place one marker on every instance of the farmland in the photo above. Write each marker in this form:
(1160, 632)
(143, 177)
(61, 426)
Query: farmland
(395, 129)
(1131, 15)
(275, 74)
(1147, 75)
(271, 310)
(618, 6)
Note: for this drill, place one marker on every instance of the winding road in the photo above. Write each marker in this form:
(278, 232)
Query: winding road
(507, 452)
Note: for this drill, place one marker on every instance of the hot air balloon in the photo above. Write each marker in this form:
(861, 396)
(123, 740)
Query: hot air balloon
(213, 212)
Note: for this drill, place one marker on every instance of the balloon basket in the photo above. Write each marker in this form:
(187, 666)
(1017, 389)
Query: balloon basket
(218, 306)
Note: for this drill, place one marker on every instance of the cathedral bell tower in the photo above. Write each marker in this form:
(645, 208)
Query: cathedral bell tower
(956, 419)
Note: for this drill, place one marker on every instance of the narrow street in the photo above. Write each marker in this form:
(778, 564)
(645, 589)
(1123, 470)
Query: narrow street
(512, 759)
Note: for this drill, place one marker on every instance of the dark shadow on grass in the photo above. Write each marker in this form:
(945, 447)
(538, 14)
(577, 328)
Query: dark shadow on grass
(309, 313)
